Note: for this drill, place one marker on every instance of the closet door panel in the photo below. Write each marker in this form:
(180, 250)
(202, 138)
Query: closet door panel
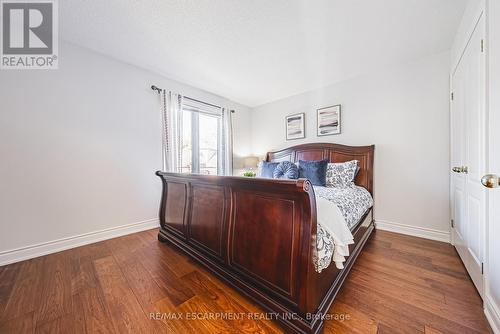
(468, 153)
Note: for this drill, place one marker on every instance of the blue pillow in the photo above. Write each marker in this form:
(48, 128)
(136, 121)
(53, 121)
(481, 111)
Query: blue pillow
(267, 169)
(315, 171)
(286, 170)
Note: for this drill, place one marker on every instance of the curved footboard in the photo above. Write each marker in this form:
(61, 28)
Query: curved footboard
(259, 235)
(256, 234)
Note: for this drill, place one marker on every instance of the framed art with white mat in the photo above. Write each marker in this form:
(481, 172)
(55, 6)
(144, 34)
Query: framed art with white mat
(328, 120)
(295, 126)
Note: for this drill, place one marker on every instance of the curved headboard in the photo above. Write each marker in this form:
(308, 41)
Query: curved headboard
(334, 153)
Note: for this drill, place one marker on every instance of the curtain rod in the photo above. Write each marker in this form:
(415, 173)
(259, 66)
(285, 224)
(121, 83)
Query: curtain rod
(159, 90)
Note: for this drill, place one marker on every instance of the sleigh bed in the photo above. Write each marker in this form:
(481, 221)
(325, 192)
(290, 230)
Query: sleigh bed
(259, 235)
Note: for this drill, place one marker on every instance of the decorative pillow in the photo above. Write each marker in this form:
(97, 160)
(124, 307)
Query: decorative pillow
(315, 171)
(341, 175)
(266, 169)
(286, 170)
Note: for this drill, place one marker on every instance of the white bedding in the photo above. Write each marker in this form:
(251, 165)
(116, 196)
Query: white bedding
(338, 210)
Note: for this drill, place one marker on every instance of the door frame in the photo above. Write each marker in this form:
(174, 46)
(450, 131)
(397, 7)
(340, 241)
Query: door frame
(491, 305)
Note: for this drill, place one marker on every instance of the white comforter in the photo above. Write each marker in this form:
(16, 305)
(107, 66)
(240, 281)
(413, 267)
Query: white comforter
(338, 210)
(331, 220)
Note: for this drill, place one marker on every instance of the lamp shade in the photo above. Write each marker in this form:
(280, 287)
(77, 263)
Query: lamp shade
(250, 162)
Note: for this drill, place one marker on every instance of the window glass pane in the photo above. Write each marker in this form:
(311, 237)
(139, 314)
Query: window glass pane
(187, 143)
(208, 134)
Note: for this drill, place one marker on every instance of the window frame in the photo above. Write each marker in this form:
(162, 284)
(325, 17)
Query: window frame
(196, 107)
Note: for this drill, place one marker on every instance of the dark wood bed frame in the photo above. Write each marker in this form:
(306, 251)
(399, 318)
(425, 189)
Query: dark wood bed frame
(258, 235)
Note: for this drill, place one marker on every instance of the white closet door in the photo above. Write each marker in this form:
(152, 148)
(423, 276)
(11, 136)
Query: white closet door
(468, 156)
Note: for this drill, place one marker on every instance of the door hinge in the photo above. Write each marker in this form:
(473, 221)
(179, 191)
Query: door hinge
(482, 45)
(452, 223)
(452, 96)
(482, 268)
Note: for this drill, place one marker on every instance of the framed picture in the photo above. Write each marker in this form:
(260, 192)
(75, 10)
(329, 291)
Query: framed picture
(295, 128)
(329, 120)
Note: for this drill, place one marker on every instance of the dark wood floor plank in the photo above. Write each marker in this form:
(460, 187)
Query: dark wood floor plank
(131, 284)
(245, 303)
(203, 324)
(416, 260)
(177, 262)
(430, 330)
(388, 329)
(67, 323)
(26, 293)
(83, 275)
(217, 300)
(393, 265)
(418, 299)
(24, 324)
(8, 279)
(405, 317)
(126, 313)
(439, 247)
(145, 288)
(125, 247)
(164, 307)
(94, 251)
(420, 278)
(91, 306)
(408, 287)
(446, 260)
(349, 320)
(55, 299)
(177, 291)
(380, 307)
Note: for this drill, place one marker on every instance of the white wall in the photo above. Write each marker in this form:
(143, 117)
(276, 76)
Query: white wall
(404, 111)
(79, 147)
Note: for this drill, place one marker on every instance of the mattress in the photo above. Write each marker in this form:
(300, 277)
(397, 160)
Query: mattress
(338, 211)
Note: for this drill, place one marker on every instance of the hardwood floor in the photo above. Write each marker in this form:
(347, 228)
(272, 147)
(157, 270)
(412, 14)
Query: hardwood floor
(133, 284)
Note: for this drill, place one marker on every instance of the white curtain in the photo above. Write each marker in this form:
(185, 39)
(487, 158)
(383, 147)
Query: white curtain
(172, 138)
(226, 149)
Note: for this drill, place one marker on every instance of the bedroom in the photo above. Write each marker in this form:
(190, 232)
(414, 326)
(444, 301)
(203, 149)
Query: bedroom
(320, 166)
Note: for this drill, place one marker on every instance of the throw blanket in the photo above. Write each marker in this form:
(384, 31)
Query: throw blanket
(338, 211)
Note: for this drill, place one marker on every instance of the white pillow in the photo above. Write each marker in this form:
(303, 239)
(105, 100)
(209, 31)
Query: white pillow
(341, 175)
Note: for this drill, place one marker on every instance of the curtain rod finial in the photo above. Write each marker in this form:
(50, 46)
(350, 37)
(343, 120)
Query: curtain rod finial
(153, 87)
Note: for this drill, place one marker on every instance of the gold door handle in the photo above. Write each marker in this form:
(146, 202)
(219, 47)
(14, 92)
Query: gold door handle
(490, 181)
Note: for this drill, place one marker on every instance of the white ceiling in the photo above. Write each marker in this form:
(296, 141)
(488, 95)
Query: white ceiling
(257, 51)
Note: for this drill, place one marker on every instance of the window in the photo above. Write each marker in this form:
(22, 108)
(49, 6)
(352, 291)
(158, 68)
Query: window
(201, 137)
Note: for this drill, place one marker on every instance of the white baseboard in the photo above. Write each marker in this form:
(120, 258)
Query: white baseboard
(29, 252)
(415, 231)
(492, 313)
